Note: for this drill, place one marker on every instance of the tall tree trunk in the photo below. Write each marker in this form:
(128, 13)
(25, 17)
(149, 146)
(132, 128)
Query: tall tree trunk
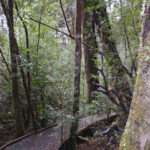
(8, 10)
(74, 126)
(119, 84)
(90, 53)
(137, 131)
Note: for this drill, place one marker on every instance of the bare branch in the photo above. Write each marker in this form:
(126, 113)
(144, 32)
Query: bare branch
(65, 18)
(62, 32)
(53, 28)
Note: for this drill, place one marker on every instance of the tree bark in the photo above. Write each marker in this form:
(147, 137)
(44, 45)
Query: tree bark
(137, 132)
(8, 10)
(90, 53)
(78, 51)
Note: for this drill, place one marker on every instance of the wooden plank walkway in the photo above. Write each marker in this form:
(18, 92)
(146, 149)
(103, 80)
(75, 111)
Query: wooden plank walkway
(50, 139)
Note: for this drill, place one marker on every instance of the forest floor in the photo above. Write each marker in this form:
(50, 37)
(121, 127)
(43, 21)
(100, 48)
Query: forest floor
(106, 136)
(102, 135)
(7, 132)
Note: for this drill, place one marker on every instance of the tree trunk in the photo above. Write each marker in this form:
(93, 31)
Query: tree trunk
(27, 78)
(8, 10)
(74, 126)
(118, 83)
(90, 53)
(137, 131)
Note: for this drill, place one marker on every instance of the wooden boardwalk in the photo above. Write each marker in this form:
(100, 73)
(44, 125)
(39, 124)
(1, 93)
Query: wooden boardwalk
(50, 139)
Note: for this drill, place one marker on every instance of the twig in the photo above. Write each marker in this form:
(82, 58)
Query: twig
(53, 28)
(64, 33)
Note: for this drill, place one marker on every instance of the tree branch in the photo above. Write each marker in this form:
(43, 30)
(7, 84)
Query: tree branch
(4, 7)
(4, 75)
(53, 28)
(62, 32)
(65, 18)
(5, 62)
(24, 25)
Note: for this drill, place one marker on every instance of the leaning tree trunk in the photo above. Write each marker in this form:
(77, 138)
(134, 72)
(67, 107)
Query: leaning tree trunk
(137, 131)
(90, 53)
(120, 92)
(74, 126)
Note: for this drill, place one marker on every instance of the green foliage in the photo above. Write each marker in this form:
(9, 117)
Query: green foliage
(52, 63)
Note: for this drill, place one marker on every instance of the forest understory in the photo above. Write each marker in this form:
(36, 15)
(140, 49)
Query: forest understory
(74, 74)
